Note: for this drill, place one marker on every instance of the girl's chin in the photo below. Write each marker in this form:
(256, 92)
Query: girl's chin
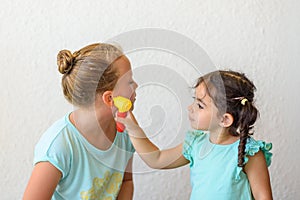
(195, 127)
(132, 107)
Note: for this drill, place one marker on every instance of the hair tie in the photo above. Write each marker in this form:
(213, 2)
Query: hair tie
(243, 101)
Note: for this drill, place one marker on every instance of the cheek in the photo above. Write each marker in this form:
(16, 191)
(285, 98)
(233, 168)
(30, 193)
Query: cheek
(200, 119)
(124, 91)
(127, 92)
(203, 119)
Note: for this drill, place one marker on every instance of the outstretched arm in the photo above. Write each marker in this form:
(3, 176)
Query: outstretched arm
(149, 152)
(258, 175)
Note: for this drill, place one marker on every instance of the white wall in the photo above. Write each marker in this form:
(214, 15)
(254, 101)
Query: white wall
(260, 38)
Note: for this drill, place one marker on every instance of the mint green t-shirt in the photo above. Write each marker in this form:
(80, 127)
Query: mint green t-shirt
(87, 172)
(214, 168)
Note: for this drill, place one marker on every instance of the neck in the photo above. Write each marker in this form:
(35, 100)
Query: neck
(222, 136)
(98, 127)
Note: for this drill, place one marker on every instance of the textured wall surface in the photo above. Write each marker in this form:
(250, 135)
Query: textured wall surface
(261, 38)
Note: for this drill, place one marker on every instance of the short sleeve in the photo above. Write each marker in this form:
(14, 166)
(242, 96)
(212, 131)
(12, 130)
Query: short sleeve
(57, 152)
(188, 144)
(253, 146)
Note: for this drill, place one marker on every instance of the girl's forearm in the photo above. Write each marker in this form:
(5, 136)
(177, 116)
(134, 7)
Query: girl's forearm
(153, 156)
(148, 151)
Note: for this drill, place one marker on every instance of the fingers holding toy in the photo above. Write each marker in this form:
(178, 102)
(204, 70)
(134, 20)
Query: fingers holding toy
(129, 122)
(133, 118)
(123, 105)
(125, 119)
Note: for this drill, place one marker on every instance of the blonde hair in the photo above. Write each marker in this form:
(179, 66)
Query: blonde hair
(88, 72)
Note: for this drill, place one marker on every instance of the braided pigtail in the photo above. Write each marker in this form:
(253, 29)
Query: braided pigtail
(247, 119)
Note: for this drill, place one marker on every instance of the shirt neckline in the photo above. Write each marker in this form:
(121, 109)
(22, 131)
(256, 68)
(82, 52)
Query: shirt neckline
(88, 145)
(221, 145)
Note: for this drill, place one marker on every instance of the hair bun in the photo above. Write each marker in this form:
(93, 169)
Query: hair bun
(65, 61)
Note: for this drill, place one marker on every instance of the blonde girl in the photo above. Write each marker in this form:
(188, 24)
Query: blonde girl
(82, 156)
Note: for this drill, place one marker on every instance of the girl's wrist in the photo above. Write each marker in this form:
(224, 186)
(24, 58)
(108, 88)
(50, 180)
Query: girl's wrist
(136, 132)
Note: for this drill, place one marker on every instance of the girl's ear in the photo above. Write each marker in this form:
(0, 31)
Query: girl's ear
(227, 120)
(107, 98)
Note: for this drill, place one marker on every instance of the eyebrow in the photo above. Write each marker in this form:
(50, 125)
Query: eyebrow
(201, 101)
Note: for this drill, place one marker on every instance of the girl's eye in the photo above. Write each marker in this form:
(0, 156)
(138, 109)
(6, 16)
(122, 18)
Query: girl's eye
(199, 106)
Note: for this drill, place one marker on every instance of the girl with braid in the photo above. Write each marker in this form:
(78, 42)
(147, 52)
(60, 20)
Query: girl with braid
(226, 163)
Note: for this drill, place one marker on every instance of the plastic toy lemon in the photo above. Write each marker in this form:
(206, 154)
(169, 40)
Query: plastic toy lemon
(123, 104)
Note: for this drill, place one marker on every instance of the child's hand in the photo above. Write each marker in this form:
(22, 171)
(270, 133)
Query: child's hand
(130, 122)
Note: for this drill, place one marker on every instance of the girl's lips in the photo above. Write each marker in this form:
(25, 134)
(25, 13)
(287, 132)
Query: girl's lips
(132, 98)
(191, 119)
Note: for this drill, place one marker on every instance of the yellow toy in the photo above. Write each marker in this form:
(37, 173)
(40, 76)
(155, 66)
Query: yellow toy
(123, 104)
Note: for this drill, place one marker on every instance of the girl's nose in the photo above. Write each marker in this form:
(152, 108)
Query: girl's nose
(135, 85)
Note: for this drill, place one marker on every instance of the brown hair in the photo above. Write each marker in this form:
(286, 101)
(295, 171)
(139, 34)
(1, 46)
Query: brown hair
(227, 89)
(87, 72)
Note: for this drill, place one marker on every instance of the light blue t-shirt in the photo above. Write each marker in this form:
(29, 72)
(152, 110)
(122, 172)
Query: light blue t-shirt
(214, 168)
(87, 172)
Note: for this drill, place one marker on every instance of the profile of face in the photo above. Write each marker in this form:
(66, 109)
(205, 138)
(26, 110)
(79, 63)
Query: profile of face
(203, 112)
(125, 86)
